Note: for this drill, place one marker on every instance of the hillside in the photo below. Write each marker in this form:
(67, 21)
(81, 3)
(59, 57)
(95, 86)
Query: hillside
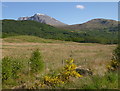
(13, 27)
(27, 27)
(30, 39)
(96, 24)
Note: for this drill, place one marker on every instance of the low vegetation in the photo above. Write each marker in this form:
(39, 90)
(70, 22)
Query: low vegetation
(115, 62)
(14, 69)
(24, 67)
(36, 62)
(62, 77)
(29, 39)
(65, 78)
(10, 71)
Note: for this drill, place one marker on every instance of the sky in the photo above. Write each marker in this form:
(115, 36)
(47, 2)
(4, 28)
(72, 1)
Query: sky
(60, 0)
(66, 12)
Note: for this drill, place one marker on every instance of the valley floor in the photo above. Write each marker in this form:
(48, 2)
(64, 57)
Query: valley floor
(90, 55)
(87, 55)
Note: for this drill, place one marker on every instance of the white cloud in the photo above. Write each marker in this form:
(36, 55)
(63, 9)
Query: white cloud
(80, 6)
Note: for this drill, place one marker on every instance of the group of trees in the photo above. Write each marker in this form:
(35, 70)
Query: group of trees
(12, 27)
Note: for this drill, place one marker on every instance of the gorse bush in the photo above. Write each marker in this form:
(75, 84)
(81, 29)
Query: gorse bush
(52, 81)
(59, 79)
(69, 71)
(62, 77)
(36, 62)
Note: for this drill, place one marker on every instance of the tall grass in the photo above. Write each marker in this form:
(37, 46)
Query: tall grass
(15, 72)
(108, 81)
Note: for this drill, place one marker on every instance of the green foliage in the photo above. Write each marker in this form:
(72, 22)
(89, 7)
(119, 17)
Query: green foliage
(6, 68)
(12, 28)
(108, 81)
(115, 62)
(116, 54)
(14, 70)
(10, 68)
(61, 78)
(36, 62)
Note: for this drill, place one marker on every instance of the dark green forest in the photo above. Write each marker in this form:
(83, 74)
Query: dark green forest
(13, 28)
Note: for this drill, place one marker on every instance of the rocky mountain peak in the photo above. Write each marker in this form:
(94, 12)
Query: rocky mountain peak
(37, 14)
(42, 18)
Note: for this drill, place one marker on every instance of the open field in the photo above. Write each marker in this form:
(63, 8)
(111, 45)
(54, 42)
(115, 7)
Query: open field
(88, 55)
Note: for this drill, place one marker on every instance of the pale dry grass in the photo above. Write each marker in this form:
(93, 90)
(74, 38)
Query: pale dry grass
(93, 56)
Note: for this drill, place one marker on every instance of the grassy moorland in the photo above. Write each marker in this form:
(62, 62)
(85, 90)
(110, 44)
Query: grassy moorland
(87, 55)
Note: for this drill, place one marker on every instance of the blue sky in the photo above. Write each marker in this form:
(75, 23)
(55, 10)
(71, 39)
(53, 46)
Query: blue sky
(66, 12)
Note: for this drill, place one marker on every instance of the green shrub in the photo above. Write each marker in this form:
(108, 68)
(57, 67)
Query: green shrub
(36, 63)
(115, 62)
(16, 68)
(6, 68)
(108, 81)
(10, 68)
(116, 54)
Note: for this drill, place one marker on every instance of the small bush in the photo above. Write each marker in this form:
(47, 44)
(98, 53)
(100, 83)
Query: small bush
(16, 68)
(116, 54)
(62, 77)
(10, 68)
(6, 68)
(69, 71)
(36, 62)
(109, 80)
(115, 62)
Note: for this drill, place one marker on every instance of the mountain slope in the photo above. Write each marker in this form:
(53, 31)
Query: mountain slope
(42, 18)
(12, 28)
(95, 24)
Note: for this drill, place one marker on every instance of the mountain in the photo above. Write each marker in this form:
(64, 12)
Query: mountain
(95, 24)
(15, 28)
(42, 18)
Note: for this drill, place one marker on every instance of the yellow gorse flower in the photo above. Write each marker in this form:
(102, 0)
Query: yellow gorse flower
(68, 71)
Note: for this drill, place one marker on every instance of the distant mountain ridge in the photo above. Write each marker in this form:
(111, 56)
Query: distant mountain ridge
(42, 18)
(95, 24)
